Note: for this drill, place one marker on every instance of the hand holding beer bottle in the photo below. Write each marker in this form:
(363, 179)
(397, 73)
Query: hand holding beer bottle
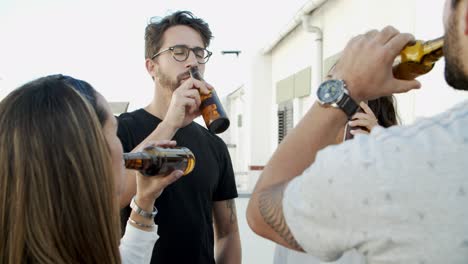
(418, 58)
(211, 109)
(161, 160)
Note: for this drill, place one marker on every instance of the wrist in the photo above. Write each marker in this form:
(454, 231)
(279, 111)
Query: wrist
(357, 98)
(167, 127)
(147, 196)
(350, 86)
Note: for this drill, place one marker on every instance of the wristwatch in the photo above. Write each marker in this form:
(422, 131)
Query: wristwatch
(334, 93)
(138, 210)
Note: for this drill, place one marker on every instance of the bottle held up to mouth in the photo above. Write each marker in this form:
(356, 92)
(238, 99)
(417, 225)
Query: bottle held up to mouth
(418, 58)
(211, 109)
(160, 161)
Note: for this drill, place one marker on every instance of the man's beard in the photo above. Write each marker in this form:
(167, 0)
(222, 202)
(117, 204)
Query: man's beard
(454, 74)
(167, 82)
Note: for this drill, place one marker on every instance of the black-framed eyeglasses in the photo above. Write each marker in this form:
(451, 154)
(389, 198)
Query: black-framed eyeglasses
(181, 53)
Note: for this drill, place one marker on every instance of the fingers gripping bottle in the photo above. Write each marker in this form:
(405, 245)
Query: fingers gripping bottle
(418, 59)
(211, 109)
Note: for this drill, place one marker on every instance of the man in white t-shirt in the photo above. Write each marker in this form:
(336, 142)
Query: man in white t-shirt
(399, 195)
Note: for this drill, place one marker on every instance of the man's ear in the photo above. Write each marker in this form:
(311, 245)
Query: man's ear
(150, 65)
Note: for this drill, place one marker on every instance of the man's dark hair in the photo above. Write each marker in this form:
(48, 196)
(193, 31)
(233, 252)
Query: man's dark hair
(455, 3)
(155, 30)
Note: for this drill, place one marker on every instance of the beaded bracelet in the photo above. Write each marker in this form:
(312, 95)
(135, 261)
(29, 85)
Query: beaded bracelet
(141, 224)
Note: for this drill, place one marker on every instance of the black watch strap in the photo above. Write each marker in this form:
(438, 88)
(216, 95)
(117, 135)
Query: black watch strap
(348, 105)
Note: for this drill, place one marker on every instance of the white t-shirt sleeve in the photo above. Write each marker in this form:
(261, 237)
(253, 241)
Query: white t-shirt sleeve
(136, 246)
(321, 205)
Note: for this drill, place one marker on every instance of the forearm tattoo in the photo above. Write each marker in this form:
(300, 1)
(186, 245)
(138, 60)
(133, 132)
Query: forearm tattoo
(271, 209)
(232, 211)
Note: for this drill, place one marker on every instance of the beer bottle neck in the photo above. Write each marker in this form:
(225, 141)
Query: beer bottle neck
(433, 50)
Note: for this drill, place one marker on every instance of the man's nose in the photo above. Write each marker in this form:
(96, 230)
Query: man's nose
(191, 60)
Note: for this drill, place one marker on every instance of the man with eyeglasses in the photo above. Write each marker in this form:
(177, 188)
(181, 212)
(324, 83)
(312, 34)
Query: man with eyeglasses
(197, 212)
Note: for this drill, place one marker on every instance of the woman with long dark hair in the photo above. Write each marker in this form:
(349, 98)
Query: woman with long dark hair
(61, 172)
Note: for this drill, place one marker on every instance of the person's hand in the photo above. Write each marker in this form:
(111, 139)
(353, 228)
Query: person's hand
(185, 103)
(367, 61)
(150, 188)
(363, 122)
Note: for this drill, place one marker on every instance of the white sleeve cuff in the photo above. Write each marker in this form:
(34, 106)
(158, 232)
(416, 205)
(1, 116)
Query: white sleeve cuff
(136, 246)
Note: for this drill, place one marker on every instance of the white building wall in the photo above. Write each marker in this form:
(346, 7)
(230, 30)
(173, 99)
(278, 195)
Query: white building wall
(236, 137)
(250, 145)
(260, 116)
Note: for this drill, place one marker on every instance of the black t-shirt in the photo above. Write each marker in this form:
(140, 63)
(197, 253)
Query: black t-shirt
(184, 219)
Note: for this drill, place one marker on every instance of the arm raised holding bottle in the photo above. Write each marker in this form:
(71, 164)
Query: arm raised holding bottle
(183, 108)
(366, 68)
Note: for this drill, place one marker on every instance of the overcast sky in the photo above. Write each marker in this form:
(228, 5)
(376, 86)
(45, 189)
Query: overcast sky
(101, 41)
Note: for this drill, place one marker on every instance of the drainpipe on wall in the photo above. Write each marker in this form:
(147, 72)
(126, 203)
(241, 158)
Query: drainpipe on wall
(317, 60)
(308, 8)
(303, 16)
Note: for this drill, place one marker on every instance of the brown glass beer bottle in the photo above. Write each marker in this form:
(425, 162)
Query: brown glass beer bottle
(211, 109)
(418, 58)
(160, 161)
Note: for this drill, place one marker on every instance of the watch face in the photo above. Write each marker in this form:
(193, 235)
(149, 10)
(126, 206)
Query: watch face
(330, 91)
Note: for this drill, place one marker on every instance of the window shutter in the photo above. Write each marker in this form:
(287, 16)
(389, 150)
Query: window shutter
(285, 119)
